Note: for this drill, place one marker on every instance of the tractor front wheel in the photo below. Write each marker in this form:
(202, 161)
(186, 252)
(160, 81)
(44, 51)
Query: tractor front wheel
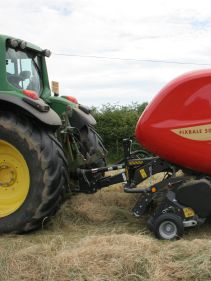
(33, 174)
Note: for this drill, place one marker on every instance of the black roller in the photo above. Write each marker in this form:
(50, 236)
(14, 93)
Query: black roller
(197, 195)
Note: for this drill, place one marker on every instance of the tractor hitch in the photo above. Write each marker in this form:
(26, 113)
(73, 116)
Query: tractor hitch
(134, 169)
(90, 180)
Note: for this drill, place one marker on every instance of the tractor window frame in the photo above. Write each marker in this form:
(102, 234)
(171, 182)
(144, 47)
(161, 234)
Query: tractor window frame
(24, 69)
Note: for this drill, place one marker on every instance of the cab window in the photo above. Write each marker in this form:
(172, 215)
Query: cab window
(24, 70)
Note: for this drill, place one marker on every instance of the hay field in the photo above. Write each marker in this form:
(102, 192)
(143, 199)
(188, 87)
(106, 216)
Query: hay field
(96, 238)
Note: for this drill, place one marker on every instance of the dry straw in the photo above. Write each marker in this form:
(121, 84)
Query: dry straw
(95, 238)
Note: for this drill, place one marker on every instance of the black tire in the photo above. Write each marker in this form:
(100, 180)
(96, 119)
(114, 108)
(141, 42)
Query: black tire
(47, 172)
(167, 226)
(91, 146)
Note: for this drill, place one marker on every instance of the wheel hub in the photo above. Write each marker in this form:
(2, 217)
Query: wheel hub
(168, 230)
(14, 179)
(8, 175)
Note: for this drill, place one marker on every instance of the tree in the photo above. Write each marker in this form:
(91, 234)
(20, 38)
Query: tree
(116, 122)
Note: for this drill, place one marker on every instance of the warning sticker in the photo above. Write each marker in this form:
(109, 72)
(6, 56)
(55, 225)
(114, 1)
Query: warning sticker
(188, 212)
(143, 174)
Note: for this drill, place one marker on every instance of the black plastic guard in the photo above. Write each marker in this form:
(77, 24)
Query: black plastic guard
(48, 117)
(197, 195)
(79, 118)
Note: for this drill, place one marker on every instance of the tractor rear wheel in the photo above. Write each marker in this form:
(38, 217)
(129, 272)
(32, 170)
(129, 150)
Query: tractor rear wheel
(33, 174)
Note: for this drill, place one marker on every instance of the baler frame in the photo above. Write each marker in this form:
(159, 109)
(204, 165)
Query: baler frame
(135, 171)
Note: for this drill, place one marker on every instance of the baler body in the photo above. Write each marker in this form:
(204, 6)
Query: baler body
(176, 125)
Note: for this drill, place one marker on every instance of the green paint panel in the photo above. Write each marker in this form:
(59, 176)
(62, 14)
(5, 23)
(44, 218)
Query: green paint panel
(59, 104)
(9, 88)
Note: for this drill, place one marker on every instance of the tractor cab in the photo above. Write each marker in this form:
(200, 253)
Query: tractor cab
(24, 67)
(23, 70)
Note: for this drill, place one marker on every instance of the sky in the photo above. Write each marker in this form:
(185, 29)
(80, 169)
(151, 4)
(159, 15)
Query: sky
(137, 34)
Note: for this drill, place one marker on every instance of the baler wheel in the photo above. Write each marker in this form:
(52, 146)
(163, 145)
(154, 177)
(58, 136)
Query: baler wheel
(168, 226)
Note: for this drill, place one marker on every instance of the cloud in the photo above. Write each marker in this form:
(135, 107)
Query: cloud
(160, 30)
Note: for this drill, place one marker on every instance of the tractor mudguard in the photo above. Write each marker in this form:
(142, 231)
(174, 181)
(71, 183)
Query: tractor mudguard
(37, 108)
(80, 117)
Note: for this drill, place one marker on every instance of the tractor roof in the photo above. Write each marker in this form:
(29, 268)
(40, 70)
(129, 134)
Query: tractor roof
(29, 45)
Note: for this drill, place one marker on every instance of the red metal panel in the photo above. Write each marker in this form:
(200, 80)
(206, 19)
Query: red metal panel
(176, 125)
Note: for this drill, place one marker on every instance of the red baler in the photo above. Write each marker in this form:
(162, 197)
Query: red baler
(177, 123)
(176, 128)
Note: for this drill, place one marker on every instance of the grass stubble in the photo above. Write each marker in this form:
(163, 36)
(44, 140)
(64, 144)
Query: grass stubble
(96, 238)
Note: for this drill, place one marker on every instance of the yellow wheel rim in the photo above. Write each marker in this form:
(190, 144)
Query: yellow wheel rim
(14, 179)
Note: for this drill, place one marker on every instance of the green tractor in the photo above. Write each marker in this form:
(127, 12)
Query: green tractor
(44, 139)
